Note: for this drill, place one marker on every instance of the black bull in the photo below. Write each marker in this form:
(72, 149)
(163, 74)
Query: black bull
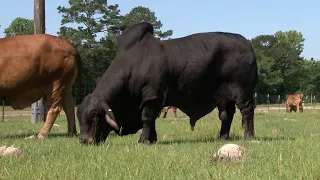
(195, 73)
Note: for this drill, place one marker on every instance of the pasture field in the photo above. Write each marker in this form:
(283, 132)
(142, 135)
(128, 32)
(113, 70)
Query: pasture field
(290, 152)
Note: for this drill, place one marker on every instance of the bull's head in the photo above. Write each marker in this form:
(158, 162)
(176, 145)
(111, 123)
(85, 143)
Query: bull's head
(96, 120)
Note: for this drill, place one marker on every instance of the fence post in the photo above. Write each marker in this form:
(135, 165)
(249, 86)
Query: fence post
(268, 102)
(279, 102)
(305, 104)
(314, 102)
(34, 110)
(311, 100)
(2, 110)
(255, 99)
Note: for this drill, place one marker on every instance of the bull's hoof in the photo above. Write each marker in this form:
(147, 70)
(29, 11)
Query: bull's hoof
(40, 136)
(143, 141)
(223, 137)
(71, 134)
(248, 135)
(147, 141)
(153, 140)
(43, 135)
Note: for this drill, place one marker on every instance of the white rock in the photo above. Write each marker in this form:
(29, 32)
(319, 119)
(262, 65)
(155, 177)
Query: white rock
(2, 149)
(10, 151)
(229, 152)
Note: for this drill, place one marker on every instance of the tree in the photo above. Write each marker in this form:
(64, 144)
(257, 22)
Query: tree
(98, 26)
(287, 54)
(143, 14)
(19, 26)
(293, 39)
(269, 75)
(279, 62)
(93, 19)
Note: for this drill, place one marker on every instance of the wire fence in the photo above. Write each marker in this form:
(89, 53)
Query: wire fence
(262, 101)
(277, 102)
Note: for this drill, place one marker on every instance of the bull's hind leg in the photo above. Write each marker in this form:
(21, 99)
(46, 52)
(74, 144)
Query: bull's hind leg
(226, 113)
(247, 110)
(54, 107)
(68, 107)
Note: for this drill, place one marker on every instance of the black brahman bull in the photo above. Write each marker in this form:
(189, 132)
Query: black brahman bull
(193, 73)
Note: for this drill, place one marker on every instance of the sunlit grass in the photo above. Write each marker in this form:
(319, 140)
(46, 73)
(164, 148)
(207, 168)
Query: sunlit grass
(290, 153)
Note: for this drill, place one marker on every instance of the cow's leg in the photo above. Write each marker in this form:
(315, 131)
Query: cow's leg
(175, 112)
(226, 113)
(247, 110)
(54, 109)
(68, 107)
(165, 112)
(148, 117)
(299, 108)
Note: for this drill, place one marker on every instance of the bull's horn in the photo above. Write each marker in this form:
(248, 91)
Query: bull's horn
(111, 122)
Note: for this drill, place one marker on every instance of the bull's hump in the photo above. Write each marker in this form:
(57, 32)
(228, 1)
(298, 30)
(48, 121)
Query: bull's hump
(133, 34)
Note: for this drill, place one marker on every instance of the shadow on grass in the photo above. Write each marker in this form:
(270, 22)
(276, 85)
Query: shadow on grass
(51, 135)
(24, 135)
(232, 138)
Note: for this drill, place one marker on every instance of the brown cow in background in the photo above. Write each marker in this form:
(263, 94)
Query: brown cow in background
(166, 109)
(295, 102)
(36, 65)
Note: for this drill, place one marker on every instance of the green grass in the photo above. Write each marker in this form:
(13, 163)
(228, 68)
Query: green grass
(179, 153)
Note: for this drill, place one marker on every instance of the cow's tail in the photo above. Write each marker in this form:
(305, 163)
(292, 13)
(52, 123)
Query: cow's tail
(79, 79)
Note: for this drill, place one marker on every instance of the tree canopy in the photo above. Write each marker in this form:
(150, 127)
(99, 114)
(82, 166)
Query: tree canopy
(94, 26)
(19, 26)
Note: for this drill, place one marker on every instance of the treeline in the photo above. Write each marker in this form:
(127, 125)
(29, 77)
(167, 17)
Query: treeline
(93, 27)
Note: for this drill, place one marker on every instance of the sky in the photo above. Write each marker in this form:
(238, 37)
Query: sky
(249, 18)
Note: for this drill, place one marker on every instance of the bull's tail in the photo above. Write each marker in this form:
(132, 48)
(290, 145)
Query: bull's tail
(79, 78)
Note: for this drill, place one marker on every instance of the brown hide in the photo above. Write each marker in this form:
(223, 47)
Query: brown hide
(35, 65)
(166, 109)
(294, 102)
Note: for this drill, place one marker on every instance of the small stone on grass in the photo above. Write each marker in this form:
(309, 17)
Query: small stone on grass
(10, 151)
(230, 152)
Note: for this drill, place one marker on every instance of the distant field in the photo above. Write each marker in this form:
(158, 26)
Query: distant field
(293, 153)
(8, 111)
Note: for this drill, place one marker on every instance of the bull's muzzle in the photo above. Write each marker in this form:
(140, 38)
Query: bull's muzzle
(86, 140)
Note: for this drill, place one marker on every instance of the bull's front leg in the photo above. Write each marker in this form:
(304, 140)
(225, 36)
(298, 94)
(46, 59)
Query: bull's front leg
(148, 117)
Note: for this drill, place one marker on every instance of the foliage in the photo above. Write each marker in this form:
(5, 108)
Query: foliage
(92, 18)
(281, 68)
(141, 14)
(19, 26)
(94, 26)
(98, 26)
(270, 78)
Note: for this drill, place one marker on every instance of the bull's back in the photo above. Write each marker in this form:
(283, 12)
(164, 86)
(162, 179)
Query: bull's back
(210, 64)
(33, 61)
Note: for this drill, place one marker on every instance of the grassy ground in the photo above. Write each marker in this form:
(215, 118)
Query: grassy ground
(292, 153)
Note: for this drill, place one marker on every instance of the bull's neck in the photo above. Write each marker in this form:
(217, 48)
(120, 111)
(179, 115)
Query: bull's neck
(109, 86)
